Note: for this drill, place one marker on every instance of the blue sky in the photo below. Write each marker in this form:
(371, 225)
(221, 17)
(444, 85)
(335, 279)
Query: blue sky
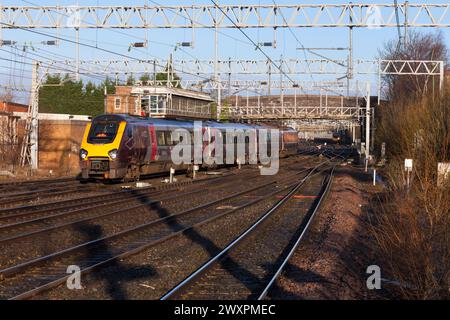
(366, 41)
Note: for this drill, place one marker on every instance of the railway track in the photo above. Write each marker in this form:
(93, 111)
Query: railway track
(87, 200)
(39, 235)
(30, 197)
(24, 280)
(248, 266)
(17, 194)
(29, 214)
(139, 203)
(35, 182)
(124, 243)
(23, 215)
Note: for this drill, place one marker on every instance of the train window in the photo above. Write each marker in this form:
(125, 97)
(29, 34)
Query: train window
(247, 139)
(169, 140)
(145, 136)
(161, 138)
(130, 132)
(102, 132)
(184, 138)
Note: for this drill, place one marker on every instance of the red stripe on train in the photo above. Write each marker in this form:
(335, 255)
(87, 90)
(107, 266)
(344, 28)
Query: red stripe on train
(153, 138)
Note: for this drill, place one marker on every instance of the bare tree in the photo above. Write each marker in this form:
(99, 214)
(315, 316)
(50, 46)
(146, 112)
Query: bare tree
(420, 46)
(411, 225)
(7, 96)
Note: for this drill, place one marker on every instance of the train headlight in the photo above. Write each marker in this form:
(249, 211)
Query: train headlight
(83, 154)
(113, 154)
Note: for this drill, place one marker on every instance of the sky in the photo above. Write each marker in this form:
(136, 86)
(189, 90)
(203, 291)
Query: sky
(232, 43)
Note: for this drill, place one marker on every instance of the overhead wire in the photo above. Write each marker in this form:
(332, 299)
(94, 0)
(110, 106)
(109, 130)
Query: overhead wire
(122, 33)
(102, 49)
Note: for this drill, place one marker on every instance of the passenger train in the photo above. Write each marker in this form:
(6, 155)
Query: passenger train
(124, 147)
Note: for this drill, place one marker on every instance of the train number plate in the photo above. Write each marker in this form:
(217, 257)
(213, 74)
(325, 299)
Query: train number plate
(99, 165)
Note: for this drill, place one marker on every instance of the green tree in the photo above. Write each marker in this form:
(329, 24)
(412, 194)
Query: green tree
(145, 78)
(168, 72)
(130, 80)
(65, 96)
(110, 86)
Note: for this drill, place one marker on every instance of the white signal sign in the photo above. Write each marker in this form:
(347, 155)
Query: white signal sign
(408, 165)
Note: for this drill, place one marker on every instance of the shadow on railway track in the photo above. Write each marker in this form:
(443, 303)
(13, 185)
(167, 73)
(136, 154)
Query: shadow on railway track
(253, 282)
(121, 272)
(237, 271)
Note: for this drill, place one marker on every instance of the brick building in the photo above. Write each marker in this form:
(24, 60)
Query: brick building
(7, 106)
(159, 102)
(123, 101)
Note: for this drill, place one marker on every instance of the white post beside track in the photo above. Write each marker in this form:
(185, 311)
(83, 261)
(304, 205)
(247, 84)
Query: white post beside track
(194, 171)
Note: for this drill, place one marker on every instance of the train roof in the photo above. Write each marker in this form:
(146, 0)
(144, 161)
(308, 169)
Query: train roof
(170, 122)
(132, 118)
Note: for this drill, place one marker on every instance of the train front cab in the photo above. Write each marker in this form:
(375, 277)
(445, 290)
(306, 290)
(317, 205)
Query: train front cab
(99, 152)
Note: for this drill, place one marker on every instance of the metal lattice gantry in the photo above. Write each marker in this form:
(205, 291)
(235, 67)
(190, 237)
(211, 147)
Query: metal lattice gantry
(263, 70)
(243, 16)
(323, 100)
(259, 67)
(239, 108)
(256, 111)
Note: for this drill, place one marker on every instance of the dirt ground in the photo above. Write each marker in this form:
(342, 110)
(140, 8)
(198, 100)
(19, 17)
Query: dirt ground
(332, 262)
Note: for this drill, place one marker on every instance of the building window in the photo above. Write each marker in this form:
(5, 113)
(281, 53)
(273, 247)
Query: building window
(154, 104)
(136, 106)
(145, 104)
(117, 103)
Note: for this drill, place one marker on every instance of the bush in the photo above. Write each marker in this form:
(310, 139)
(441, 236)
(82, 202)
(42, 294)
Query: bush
(411, 228)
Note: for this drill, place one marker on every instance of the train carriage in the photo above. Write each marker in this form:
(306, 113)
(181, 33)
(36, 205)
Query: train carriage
(117, 146)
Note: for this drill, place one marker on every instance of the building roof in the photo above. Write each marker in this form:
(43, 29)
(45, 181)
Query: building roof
(9, 106)
(174, 91)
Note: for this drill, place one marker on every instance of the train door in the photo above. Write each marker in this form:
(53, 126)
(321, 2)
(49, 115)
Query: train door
(137, 146)
(128, 143)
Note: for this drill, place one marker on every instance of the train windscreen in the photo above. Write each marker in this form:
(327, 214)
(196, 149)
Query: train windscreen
(102, 132)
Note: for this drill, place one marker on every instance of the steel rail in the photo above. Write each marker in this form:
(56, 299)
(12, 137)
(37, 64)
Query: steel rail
(6, 212)
(16, 268)
(188, 281)
(37, 181)
(140, 248)
(83, 220)
(35, 291)
(66, 214)
(103, 197)
(75, 210)
(32, 292)
(299, 239)
(10, 200)
(152, 243)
